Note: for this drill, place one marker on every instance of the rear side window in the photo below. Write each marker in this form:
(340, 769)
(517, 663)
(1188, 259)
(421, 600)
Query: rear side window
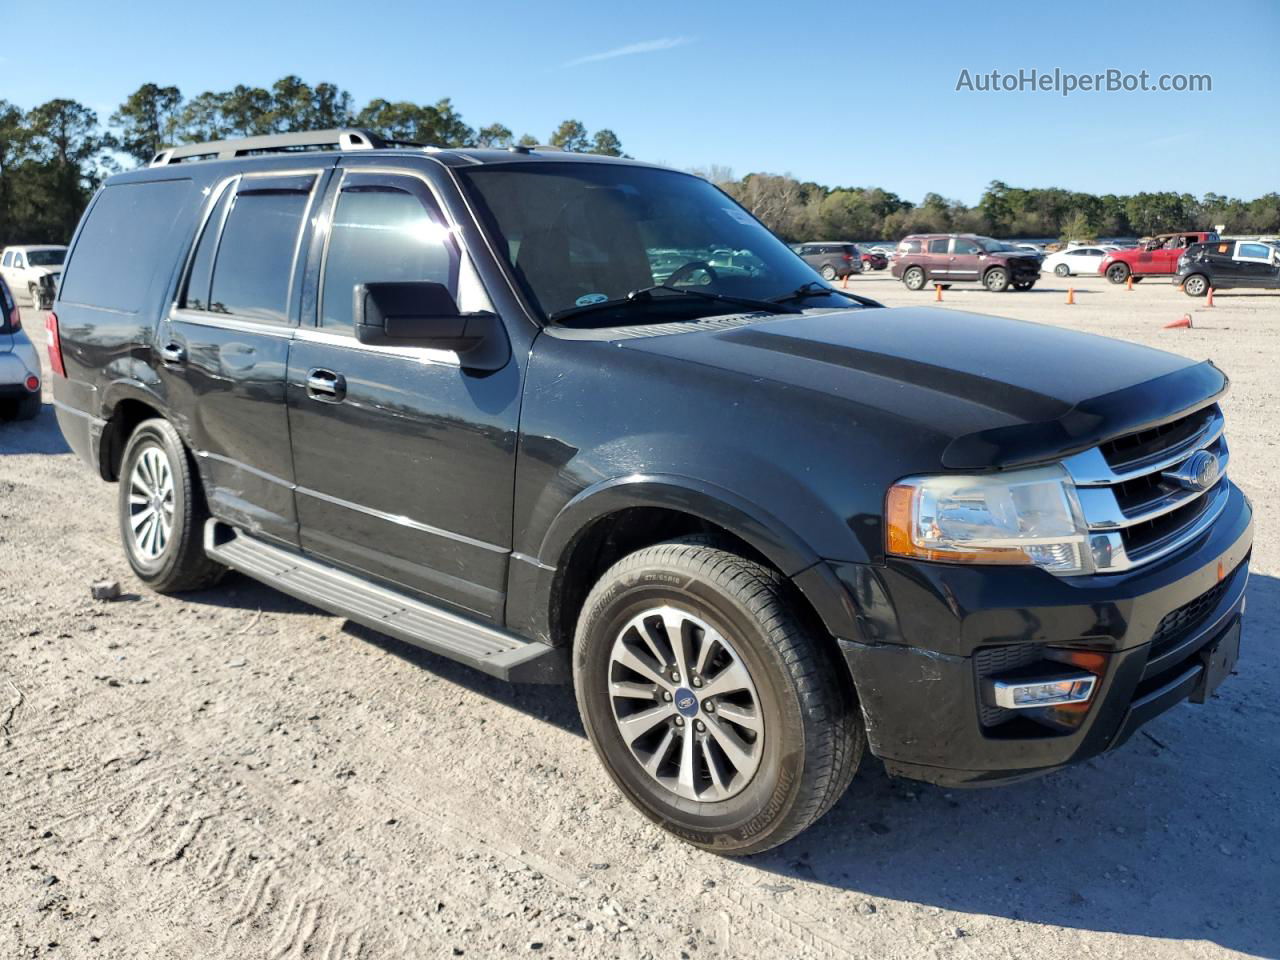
(938, 245)
(126, 237)
(253, 270)
(8, 259)
(196, 296)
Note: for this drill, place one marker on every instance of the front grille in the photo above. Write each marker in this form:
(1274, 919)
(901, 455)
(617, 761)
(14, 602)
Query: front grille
(1177, 623)
(1135, 448)
(1136, 509)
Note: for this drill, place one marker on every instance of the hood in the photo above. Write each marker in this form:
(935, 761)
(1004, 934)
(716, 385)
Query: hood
(999, 392)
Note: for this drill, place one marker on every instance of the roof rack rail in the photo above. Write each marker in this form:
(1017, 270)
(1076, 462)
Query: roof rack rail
(349, 138)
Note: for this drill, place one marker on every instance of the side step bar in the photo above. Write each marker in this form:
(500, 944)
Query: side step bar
(488, 649)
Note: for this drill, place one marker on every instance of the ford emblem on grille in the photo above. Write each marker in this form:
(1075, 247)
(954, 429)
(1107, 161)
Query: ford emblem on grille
(1200, 471)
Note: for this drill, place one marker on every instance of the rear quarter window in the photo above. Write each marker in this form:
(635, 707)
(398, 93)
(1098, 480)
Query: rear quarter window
(126, 237)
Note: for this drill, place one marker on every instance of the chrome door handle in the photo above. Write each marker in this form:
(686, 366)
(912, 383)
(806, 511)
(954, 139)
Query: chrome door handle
(326, 385)
(173, 353)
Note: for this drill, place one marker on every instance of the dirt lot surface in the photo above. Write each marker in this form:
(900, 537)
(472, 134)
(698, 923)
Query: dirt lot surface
(233, 774)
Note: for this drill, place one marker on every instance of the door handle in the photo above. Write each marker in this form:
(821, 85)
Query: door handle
(326, 386)
(173, 352)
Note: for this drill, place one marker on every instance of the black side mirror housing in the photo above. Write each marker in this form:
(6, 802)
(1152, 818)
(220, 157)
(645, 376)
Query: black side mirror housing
(424, 314)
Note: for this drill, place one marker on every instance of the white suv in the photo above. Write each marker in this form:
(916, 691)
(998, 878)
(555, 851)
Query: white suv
(22, 268)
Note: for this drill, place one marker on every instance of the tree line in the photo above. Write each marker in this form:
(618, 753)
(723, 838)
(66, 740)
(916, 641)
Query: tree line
(53, 156)
(810, 211)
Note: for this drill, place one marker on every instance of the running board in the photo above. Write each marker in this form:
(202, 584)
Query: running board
(490, 650)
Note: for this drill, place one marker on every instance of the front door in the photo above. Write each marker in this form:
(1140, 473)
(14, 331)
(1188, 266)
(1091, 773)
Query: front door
(224, 348)
(405, 461)
(964, 259)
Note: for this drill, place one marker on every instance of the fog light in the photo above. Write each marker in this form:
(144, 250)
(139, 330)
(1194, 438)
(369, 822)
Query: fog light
(1042, 691)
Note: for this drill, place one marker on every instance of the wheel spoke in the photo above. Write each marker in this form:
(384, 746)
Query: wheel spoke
(664, 747)
(738, 752)
(745, 717)
(674, 623)
(646, 634)
(630, 659)
(732, 678)
(638, 724)
(713, 766)
(138, 518)
(686, 778)
(710, 641)
(634, 691)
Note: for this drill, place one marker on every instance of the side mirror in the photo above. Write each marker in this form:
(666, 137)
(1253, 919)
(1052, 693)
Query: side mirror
(424, 314)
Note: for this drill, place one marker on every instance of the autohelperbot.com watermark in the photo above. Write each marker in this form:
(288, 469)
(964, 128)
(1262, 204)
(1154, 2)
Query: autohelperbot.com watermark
(1065, 83)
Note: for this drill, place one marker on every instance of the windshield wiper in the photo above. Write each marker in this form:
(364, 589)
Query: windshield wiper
(815, 289)
(644, 295)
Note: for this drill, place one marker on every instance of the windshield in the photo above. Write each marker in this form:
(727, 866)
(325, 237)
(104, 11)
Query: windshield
(45, 258)
(583, 233)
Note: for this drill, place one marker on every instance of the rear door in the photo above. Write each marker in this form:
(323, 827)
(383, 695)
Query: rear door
(405, 461)
(224, 348)
(1256, 264)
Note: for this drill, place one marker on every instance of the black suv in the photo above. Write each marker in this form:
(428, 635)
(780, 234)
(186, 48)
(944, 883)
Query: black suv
(762, 525)
(1223, 264)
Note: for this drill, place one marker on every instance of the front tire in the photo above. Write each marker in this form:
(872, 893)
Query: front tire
(913, 278)
(996, 280)
(162, 511)
(1118, 273)
(1062, 270)
(712, 706)
(828, 272)
(1195, 285)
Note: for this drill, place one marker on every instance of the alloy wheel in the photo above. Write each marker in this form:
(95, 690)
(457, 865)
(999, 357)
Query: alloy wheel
(151, 494)
(685, 704)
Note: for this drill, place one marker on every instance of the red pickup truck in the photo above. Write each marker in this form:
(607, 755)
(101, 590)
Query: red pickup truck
(1152, 258)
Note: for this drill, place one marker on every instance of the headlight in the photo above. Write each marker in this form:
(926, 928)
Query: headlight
(1021, 517)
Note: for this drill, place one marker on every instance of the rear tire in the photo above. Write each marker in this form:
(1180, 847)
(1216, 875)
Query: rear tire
(1118, 273)
(162, 512)
(796, 731)
(913, 278)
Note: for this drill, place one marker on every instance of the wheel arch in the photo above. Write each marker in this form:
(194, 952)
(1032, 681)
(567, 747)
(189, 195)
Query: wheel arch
(614, 518)
(125, 404)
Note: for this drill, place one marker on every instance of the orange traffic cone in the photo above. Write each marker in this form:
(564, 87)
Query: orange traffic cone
(1185, 322)
(1128, 284)
(1071, 294)
(937, 292)
(1209, 299)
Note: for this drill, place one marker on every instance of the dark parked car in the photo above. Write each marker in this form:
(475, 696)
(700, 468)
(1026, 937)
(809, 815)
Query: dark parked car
(1228, 263)
(925, 259)
(763, 526)
(833, 260)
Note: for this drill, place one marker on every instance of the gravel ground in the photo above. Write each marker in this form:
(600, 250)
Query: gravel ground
(234, 774)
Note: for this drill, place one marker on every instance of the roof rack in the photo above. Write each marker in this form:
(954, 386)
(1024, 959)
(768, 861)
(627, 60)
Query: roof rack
(350, 138)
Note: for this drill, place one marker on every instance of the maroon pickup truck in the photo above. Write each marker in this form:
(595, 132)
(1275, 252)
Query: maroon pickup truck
(1157, 257)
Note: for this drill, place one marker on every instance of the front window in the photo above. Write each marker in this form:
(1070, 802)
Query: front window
(577, 234)
(966, 246)
(45, 258)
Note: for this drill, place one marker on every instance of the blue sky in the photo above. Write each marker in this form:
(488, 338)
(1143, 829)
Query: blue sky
(868, 100)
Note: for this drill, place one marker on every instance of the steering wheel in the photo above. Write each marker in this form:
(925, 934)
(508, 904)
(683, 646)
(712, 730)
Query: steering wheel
(692, 266)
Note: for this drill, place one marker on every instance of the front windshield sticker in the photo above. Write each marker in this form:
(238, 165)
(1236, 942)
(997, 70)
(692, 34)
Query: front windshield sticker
(589, 298)
(740, 215)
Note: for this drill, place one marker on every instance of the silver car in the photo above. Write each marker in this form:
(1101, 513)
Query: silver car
(19, 365)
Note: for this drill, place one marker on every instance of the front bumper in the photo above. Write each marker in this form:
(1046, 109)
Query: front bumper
(922, 624)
